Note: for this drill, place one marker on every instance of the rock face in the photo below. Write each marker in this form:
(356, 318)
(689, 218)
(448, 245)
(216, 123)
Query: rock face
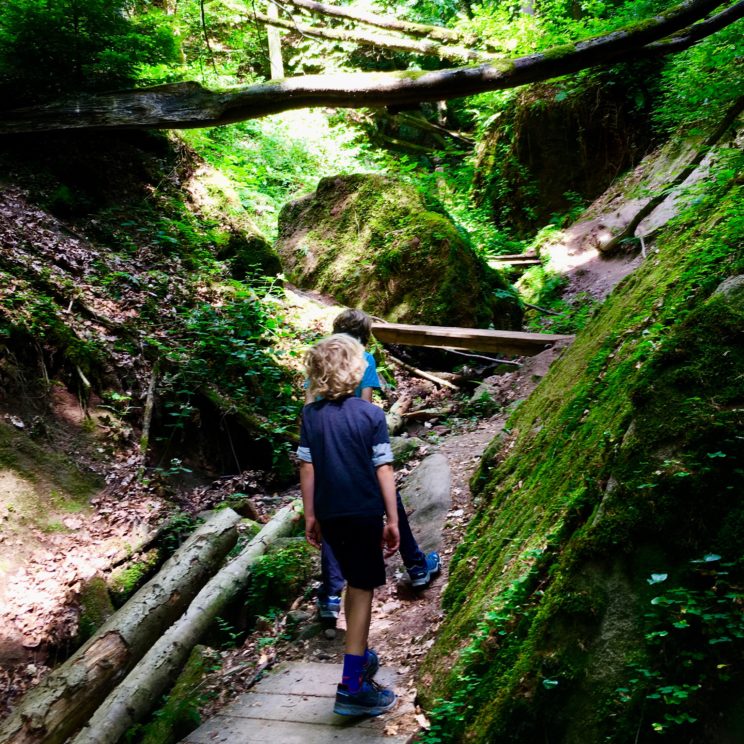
(554, 149)
(373, 242)
(610, 509)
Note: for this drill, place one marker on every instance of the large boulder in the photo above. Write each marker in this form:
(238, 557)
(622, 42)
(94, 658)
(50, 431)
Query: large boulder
(373, 242)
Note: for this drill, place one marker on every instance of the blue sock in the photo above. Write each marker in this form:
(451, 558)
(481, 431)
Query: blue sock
(352, 674)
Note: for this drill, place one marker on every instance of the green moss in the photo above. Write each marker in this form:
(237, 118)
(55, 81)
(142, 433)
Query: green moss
(125, 581)
(372, 242)
(95, 607)
(278, 577)
(624, 462)
(179, 714)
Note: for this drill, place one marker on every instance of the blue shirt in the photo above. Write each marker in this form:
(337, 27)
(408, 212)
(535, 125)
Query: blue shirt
(370, 378)
(346, 440)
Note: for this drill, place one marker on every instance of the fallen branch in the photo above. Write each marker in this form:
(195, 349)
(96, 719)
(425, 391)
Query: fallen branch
(420, 373)
(143, 687)
(541, 309)
(54, 710)
(394, 417)
(480, 356)
(147, 418)
(429, 413)
(425, 47)
(436, 33)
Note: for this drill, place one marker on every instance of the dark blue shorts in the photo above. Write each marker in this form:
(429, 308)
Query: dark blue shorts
(357, 544)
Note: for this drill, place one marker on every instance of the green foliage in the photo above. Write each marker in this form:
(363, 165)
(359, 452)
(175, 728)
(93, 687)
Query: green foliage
(125, 581)
(276, 159)
(52, 48)
(701, 83)
(278, 577)
(693, 630)
(176, 530)
(228, 352)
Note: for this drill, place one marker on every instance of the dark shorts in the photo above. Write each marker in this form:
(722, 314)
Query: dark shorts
(357, 544)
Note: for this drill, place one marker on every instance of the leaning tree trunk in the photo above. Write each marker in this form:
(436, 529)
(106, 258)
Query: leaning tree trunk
(137, 694)
(63, 702)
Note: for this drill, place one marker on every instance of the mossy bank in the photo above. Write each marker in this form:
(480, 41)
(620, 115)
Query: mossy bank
(597, 595)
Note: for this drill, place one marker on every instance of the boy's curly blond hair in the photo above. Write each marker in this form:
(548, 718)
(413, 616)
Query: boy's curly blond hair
(334, 366)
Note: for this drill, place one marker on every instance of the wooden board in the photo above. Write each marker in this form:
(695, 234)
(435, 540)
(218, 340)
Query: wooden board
(472, 339)
(294, 705)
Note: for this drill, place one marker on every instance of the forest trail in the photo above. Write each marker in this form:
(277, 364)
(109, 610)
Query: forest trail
(405, 621)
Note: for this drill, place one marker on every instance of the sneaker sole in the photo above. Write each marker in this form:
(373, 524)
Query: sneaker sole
(350, 709)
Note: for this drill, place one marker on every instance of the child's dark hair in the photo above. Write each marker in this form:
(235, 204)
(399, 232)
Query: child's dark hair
(354, 323)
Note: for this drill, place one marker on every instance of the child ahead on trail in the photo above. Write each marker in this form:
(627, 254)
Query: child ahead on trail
(421, 567)
(347, 483)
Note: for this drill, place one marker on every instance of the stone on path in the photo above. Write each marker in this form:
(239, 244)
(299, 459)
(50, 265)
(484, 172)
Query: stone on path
(294, 705)
(426, 495)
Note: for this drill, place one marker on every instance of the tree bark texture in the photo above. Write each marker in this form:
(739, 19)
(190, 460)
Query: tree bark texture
(188, 105)
(63, 702)
(139, 692)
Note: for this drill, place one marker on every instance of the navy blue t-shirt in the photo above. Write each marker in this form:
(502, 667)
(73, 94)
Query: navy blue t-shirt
(346, 440)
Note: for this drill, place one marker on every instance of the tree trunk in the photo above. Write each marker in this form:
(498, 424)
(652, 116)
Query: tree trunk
(275, 43)
(426, 47)
(63, 702)
(188, 105)
(141, 690)
(433, 33)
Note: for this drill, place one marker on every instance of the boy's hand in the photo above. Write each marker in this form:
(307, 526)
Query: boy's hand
(312, 531)
(390, 539)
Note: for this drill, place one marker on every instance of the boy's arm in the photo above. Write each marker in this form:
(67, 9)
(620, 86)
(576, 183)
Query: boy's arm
(390, 535)
(307, 488)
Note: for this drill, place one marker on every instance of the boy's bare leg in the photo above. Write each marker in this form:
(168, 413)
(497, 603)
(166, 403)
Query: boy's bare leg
(358, 609)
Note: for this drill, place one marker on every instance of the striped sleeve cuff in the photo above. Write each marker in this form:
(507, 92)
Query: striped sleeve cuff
(382, 454)
(304, 454)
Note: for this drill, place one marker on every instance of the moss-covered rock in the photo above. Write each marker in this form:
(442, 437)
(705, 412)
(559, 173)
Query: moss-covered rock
(597, 593)
(373, 242)
(558, 145)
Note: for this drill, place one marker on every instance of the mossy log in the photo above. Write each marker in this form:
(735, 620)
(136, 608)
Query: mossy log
(188, 105)
(63, 702)
(135, 696)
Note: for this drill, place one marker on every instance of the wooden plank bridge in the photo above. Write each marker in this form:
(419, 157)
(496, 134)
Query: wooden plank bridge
(471, 339)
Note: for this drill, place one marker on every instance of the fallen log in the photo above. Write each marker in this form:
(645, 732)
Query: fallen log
(63, 702)
(473, 339)
(394, 417)
(143, 687)
(423, 375)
